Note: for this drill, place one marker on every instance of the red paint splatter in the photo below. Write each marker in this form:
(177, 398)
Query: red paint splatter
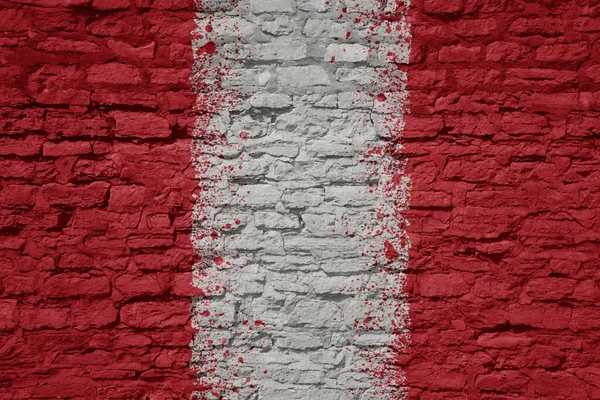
(390, 252)
(209, 48)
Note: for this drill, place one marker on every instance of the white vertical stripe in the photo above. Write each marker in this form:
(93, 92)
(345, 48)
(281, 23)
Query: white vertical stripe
(299, 219)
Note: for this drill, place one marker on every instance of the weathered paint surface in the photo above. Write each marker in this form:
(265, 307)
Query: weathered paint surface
(299, 219)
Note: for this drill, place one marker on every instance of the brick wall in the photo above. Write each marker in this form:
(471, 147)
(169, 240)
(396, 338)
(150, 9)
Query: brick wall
(502, 142)
(96, 182)
(95, 199)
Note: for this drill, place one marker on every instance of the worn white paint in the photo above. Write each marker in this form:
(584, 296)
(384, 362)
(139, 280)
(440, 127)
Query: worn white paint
(299, 220)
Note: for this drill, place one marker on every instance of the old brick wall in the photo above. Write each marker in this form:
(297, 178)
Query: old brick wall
(502, 143)
(96, 183)
(95, 198)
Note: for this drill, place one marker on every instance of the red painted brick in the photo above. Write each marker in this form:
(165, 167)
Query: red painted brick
(141, 125)
(66, 149)
(501, 139)
(557, 53)
(110, 4)
(443, 7)
(155, 314)
(516, 226)
(90, 195)
(115, 74)
(459, 54)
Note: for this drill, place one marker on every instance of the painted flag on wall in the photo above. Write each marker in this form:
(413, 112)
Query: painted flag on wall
(299, 199)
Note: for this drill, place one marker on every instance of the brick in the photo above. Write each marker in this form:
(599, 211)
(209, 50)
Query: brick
(586, 24)
(539, 77)
(89, 314)
(18, 195)
(61, 286)
(503, 341)
(141, 125)
(169, 76)
(549, 288)
(537, 26)
(110, 4)
(175, 100)
(66, 149)
(474, 27)
(90, 195)
(443, 285)
(264, 6)
(503, 381)
(508, 52)
(68, 96)
(114, 74)
(29, 146)
(155, 314)
(443, 7)
(14, 20)
(8, 312)
(558, 53)
(118, 27)
(125, 51)
(145, 285)
(459, 53)
(35, 318)
(74, 46)
(111, 97)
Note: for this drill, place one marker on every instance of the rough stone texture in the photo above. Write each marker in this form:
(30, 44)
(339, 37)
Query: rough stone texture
(502, 141)
(95, 199)
(299, 218)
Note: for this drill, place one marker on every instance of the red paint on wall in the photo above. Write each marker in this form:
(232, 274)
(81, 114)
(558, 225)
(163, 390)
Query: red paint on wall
(502, 142)
(95, 199)
(95, 112)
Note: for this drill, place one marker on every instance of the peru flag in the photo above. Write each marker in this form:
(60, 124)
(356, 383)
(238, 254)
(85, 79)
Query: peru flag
(299, 199)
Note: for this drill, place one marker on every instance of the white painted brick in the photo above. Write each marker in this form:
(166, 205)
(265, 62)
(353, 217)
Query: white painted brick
(302, 77)
(273, 220)
(284, 51)
(326, 28)
(350, 195)
(270, 100)
(314, 5)
(346, 53)
(315, 314)
(299, 341)
(277, 24)
(264, 6)
(349, 100)
(303, 198)
(258, 195)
